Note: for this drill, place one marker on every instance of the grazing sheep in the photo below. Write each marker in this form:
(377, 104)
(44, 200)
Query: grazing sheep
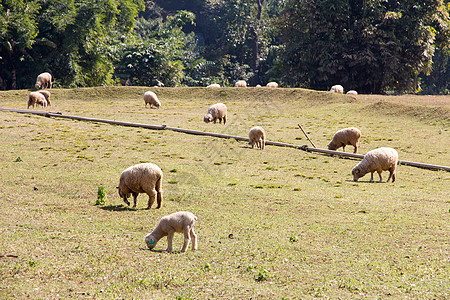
(37, 99)
(352, 92)
(47, 96)
(344, 137)
(258, 85)
(141, 178)
(151, 99)
(379, 160)
(216, 111)
(213, 85)
(257, 136)
(272, 84)
(240, 83)
(337, 89)
(181, 222)
(44, 80)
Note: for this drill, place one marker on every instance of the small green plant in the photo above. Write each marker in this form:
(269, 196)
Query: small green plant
(32, 263)
(19, 159)
(206, 267)
(250, 268)
(293, 239)
(262, 275)
(101, 195)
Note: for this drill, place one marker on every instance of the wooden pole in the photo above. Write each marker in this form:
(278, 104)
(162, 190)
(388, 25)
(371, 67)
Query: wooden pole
(306, 136)
(218, 135)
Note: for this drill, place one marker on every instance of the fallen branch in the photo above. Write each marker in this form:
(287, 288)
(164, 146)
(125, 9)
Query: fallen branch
(218, 135)
(306, 136)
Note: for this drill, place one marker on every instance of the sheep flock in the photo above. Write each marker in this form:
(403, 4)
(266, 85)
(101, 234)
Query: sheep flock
(147, 177)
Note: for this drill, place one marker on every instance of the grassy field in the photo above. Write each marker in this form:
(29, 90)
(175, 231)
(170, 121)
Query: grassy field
(272, 224)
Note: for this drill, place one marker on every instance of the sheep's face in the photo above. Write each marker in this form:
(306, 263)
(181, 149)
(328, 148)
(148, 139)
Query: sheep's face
(151, 243)
(123, 196)
(356, 172)
(208, 118)
(332, 146)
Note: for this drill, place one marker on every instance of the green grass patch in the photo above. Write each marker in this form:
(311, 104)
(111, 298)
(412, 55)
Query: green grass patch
(272, 224)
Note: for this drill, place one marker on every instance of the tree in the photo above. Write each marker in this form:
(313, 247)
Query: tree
(72, 39)
(370, 46)
(18, 30)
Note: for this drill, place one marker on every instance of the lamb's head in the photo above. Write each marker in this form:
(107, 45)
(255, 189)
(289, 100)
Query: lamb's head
(357, 173)
(37, 85)
(123, 195)
(150, 241)
(208, 118)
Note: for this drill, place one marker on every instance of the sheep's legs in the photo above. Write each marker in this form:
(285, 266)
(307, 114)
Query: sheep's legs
(126, 200)
(169, 241)
(224, 120)
(135, 195)
(391, 174)
(187, 239)
(151, 198)
(381, 179)
(158, 199)
(371, 177)
(194, 239)
(356, 149)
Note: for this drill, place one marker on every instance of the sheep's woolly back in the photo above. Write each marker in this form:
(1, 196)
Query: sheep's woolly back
(240, 83)
(352, 92)
(136, 178)
(346, 136)
(337, 89)
(272, 84)
(44, 80)
(380, 159)
(151, 98)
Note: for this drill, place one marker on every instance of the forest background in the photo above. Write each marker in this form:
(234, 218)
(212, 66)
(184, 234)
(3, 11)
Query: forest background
(376, 46)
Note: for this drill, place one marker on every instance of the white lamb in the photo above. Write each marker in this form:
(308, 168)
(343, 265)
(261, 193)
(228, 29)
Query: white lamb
(151, 99)
(37, 99)
(257, 136)
(181, 222)
(44, 80)
(352, 92)
(213, 85)
(337, 89)
(141, 178)
(381, 159)
(344, 137)
(217, 111)
(240, 83)
(272, 84)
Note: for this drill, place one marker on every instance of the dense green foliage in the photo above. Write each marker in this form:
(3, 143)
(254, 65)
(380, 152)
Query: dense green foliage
(371, 46)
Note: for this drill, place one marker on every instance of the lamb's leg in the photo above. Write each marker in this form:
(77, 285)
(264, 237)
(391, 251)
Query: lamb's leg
(169, 241)
(187, 238)
(371, 177)
(135, 195)
(343, 148)
(126, 200)
(151, 198)
(224, 120)
(194, 239)
(158, 199)
(356, 149)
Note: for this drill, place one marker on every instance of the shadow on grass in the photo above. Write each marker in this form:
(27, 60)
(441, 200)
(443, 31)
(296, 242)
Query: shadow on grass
(120, 207)
(161, 251)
